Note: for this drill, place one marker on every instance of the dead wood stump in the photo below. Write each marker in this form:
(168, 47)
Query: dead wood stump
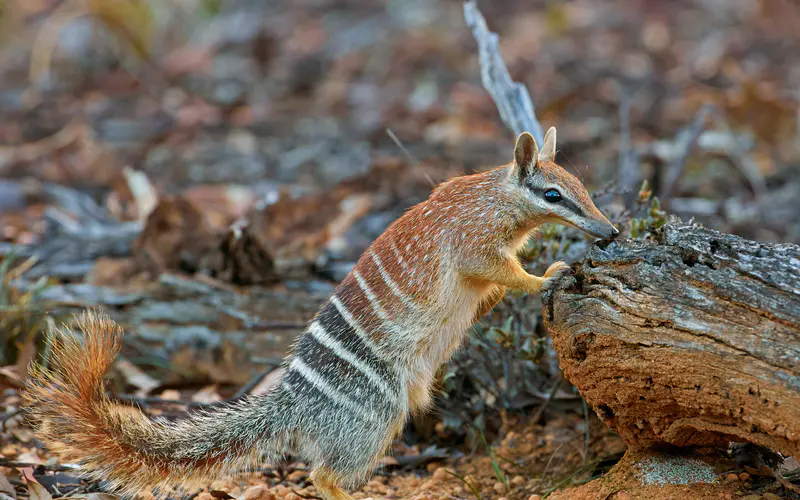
(689, 338)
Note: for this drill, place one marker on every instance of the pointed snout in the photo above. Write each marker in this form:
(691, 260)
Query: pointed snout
(598, 226)
(602, 230)
(575, 208)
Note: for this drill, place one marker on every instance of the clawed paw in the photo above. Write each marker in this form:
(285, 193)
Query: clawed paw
(556, 269)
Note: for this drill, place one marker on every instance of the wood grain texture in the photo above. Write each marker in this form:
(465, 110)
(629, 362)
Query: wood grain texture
(689, 338)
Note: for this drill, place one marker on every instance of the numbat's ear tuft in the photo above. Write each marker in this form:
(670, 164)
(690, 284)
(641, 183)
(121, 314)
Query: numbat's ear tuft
(525, 154)
(548, 151)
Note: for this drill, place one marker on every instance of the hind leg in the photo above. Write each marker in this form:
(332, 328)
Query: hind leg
(328, 484)
(328, 481)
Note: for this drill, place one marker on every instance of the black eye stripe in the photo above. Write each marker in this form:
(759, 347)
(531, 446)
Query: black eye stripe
(564, 202)
(573, 207)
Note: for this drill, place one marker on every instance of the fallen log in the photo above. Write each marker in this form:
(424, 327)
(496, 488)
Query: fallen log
(202, 331)
(691, 337)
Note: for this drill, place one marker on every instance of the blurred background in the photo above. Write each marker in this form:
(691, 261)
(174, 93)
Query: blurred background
(206, 171)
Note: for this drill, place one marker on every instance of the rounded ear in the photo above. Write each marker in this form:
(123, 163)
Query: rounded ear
(525, 152)
(548, 151)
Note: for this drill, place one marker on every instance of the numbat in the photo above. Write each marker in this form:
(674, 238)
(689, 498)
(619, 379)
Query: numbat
(366, 361)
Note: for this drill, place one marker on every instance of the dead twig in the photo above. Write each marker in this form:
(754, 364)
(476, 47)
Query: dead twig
(512, 99)
(75, 130)
(693, 135)
(629, 175)
(550, 395)
(686, 141)
(4, 462)
(588, 436)
(742, 160)
(245, 390)
(78, 232)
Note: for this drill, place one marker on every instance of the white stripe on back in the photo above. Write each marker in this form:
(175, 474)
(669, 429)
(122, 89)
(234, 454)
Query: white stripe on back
(352, 322)
(317, 381)
(319, 333)
(405, 299)
(400, 258)
(376, 305)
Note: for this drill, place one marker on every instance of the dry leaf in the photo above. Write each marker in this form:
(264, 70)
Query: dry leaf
(207, 394)
(790, 464)
(128, 20)
(23, 434)
(176, 237)
(27, 353)
(30, 456)
(136, 377)
(142, 190)
(269, 381)
(762, 471)
(112, 272)
(10, 450)
(222, 204)
(11, 373)
(187, 60)
(171, 395)
(36, 490)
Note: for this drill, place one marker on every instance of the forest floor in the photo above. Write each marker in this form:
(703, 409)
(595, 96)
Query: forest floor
(530, 459)
(120, 179)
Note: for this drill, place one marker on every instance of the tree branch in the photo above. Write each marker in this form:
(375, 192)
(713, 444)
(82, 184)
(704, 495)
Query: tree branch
(511, 98)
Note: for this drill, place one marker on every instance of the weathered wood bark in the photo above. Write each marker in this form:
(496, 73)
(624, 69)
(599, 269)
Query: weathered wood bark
(201, 332)
(690, 338)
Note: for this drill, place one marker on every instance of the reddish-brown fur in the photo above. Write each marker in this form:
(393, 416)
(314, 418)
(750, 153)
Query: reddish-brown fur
(77, 419)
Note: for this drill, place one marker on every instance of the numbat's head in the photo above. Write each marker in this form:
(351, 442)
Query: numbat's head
(551, 193)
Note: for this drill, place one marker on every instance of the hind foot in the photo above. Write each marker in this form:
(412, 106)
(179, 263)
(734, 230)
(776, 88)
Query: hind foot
(328, 484)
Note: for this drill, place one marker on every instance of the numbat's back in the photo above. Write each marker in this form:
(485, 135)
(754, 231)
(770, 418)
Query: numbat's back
(365, 362)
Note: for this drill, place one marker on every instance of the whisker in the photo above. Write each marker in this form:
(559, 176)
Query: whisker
(411, 158)
(577, 170)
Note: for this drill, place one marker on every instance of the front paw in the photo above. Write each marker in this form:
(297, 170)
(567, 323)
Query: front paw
(555, 270)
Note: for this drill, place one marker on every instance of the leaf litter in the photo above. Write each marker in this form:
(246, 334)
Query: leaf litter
(208, 177)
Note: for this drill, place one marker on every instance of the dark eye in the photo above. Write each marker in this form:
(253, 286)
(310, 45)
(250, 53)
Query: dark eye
(552, 196)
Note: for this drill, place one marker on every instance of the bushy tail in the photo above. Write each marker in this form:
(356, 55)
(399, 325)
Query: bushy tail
(122, 446)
